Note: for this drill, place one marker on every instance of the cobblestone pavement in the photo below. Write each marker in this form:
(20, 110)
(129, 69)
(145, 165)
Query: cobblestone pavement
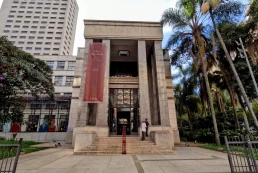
(184, 160)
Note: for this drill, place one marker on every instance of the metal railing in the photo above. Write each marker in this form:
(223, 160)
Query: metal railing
(242, 153)
(9, 155)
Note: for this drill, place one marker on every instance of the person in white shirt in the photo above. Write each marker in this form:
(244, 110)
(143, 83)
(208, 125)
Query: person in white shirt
(143, 130)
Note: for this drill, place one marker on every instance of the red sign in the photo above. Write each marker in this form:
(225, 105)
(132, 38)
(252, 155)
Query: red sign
(95, 73)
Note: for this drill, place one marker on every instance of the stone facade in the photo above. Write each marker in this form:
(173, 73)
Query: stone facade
(142, 41)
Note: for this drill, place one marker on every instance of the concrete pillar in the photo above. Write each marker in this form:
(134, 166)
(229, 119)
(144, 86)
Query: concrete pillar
(102, 111)
(143, 82)
(161, 84)
(82, 106)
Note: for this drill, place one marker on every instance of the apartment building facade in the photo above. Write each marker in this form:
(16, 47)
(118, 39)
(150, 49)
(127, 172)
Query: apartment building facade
(40, 27)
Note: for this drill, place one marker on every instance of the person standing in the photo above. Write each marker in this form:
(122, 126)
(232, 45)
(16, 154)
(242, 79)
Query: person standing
(147, 126)
(143, 130)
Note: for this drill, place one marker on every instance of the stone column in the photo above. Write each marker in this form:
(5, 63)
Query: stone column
(143, 82)
(102, 111)
(82, 106)
(161, 82)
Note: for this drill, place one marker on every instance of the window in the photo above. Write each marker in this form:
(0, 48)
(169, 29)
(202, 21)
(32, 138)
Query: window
(46, 48)
(18, 21)
(8, 26)
(9, 21)
(12, 11)
(58, 32)
(48, 43)
(6, 31)
(16, 26)
(36, 54)
(42, 27)
(29, 42)
(15, 31)
(33, 119)
(37, 48)
(60, 65)
(41, 32)
(26, 21)
(13, 36)
(31, 37)
(20, 42)
(56, 43)
(25, 26)
(28, 48)
(24, 32)
(58, 80)
(32, 32)
(40, 37)
(55, 48)
(33, 26)
(71, 65)
(39, 43)
(69, 81)
(35, 21)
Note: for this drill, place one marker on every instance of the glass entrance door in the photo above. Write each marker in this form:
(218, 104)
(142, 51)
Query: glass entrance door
(123, 110)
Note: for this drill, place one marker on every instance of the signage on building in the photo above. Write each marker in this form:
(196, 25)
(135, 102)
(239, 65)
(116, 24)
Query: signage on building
(95, 73)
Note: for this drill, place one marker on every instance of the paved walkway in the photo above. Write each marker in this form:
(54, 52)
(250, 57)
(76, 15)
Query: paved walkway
(184, 160)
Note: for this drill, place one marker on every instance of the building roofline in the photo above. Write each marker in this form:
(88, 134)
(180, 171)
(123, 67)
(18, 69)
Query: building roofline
(121, 21)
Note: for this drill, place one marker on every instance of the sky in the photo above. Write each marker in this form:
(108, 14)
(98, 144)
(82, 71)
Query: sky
(128, 10)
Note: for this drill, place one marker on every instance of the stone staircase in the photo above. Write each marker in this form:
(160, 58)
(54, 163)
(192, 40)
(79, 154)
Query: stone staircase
(113, 145)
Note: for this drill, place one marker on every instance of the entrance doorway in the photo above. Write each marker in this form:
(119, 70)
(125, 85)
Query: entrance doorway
(123, 119)
(123, 111)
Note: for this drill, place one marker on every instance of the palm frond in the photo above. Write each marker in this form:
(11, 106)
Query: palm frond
(228, 11)
(174, 18)
(176, 38)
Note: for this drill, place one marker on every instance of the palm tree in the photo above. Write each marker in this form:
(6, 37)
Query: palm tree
(228, 7)
(191, 42)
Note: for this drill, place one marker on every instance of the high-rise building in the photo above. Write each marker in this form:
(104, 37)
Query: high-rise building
(40, 27)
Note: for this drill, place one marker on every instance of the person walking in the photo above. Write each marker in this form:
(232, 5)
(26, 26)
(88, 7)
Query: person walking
(147, 126)
(143, 130)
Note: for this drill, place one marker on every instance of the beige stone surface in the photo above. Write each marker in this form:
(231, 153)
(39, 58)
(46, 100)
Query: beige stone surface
(123, 30)
(184, 160)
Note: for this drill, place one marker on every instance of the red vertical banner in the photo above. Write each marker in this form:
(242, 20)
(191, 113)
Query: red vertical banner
(95, 73)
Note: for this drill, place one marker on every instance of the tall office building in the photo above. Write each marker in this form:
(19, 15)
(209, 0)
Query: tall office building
(40, 27)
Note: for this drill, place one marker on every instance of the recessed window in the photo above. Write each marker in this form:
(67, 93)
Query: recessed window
(35, 21)
(41, 32)
(37, 48)
(26, 21)
(19, 16)
(31, 37)
(42, 26)
(15, 31)
(46, 48)
(32, 32)
(55, 48)
(36, 54)
(60, 65)
(38, 42)
(18, 21)
(58, 80)
(16, 26)
(50, 32)
(40, 37)
(28, 48)
(9, 21)
(11, 16)
(12, 11)
(25, 26)
(48, 43)
(23, 37)
(71, 65)
(43, 22)
(20, 42)
(69, 81)
(29, 42)
(24, 32)
(8, 26)
(6, 31)
(33, 26)
(28, 16)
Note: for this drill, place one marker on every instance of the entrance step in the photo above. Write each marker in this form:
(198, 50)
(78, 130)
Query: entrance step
(113, 145)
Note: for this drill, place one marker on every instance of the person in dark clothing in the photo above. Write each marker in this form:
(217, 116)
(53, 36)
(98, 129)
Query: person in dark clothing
(147, 125)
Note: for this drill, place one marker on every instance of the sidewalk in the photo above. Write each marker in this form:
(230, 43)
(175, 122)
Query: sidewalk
(184, 160)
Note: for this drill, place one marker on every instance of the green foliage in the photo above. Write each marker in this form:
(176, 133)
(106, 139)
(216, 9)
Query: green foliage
(20, 72)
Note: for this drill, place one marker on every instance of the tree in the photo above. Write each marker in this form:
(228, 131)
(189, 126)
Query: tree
(228, 7)
(192, 42)
(20, 72)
